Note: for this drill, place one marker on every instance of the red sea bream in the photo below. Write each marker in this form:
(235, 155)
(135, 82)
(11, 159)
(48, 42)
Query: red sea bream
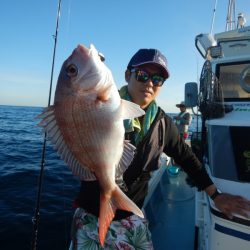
(85, 124)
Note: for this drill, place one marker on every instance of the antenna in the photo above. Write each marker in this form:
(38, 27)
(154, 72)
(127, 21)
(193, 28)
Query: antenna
(212, 25)
(230, 23)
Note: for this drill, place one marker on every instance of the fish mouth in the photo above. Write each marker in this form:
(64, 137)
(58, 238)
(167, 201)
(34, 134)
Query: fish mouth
(83, 49)
(87, 49)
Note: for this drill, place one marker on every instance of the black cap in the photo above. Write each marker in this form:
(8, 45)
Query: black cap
(152, 56)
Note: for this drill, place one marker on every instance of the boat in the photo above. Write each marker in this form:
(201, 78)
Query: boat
(180, 217)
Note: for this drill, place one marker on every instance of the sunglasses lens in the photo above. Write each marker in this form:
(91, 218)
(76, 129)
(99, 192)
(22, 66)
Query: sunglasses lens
(142, 76)
(157, 80)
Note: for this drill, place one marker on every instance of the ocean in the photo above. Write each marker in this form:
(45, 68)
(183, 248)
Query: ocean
(21, 143)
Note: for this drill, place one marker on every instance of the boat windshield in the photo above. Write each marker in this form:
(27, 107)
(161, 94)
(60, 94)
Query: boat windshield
(231, 80)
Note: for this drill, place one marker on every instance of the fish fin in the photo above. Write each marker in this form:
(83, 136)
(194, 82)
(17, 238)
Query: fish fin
(47, 118)
(126, 159)
(130, 110)
(121, 201)
(80, 171)
(108, 207)
(76, 168)
(106, 215)
(46, 112)
(48, 123)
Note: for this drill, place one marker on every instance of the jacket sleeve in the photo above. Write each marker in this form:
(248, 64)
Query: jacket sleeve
(182, 154)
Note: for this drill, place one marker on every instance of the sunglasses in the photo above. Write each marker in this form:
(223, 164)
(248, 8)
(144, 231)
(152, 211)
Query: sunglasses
(143, 76)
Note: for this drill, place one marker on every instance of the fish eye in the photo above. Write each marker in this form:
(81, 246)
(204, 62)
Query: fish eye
(72, 70)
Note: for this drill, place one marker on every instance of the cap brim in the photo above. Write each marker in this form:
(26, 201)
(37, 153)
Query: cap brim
(164, 70)
(180, 105)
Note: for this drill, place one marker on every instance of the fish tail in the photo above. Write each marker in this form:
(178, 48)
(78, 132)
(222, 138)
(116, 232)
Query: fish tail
(108, 207)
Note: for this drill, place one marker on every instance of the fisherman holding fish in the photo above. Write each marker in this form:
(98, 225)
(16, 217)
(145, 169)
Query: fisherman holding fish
(87, 124)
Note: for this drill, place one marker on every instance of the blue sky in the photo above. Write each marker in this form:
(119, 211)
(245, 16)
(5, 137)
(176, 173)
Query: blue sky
(117, 28)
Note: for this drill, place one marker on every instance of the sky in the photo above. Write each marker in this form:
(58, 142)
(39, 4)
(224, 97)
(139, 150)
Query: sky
(116, 28)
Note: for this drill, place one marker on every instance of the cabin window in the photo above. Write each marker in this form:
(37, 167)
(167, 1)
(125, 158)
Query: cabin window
(230, 77)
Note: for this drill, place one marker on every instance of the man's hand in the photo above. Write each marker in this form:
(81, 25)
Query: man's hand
(229, 204)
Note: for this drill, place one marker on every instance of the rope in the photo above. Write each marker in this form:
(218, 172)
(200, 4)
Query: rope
(35, 219)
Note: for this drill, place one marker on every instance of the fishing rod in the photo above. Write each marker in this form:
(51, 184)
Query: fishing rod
(35, 219)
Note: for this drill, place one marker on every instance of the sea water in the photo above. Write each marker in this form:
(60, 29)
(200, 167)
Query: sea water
(21, 143)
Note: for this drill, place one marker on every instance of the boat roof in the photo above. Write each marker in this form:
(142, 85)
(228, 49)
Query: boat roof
(237, 34)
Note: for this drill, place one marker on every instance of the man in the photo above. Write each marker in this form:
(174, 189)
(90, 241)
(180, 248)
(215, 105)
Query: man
(183, 120)
(152, 134)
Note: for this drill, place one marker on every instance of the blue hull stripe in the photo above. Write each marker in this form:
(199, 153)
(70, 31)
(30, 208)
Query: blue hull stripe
(232, 232)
